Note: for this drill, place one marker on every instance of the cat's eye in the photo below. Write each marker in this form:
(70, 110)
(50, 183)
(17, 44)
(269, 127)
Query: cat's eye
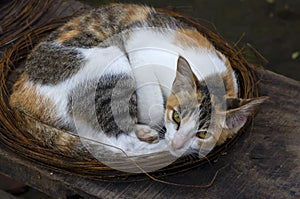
(176, 117)
(203, 134)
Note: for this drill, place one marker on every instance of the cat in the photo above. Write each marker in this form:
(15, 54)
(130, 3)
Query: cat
(136, 79)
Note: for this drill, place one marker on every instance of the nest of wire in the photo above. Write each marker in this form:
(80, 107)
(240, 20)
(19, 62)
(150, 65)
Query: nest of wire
(24, 23)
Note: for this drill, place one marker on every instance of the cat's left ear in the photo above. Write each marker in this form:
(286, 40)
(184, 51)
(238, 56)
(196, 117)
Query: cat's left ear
(238, 110)
(185, 78)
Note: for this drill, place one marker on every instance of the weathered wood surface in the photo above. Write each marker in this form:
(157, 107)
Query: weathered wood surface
(264, 163)
(5, 195)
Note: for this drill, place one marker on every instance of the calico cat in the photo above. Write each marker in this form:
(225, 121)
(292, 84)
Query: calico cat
(122, 73)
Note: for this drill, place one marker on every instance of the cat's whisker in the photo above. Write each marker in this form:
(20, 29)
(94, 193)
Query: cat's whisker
(197, 154)
(160, 129)
(193, 154)
(206, 158)
(157, 125)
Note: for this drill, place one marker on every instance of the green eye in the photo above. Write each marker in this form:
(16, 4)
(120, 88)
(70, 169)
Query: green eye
(176, 117)
(203, 134)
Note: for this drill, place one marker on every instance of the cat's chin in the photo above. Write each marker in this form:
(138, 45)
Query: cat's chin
(185, 150)
(199, 152)
(180, 152)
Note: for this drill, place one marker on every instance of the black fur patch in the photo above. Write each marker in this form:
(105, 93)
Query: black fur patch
(107, 105)
(50, 63)
(162, 20)
(116, 104)
(205, 107)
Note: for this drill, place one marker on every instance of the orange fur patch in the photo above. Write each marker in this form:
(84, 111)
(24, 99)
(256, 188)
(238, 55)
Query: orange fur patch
(227, 77)
(191, 38)
(135, 13)
(26, 98)
(70, 34)
(100, 34)
(229, 83)
(168, 119)
(66, 36)
(171, 103)
(129, 15)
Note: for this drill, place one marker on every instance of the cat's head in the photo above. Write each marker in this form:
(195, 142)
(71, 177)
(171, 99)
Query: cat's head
(193, 123)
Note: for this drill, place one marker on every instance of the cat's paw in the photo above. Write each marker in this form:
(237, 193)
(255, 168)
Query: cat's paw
(146, 133)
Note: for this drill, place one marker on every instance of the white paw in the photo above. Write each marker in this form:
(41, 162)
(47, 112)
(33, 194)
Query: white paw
(146, 133)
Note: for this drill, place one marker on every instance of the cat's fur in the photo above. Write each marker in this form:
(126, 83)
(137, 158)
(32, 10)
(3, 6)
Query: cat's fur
(117, 73)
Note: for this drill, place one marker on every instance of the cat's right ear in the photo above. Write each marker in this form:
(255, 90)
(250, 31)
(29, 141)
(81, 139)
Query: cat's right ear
(238, 111)
(185, 78)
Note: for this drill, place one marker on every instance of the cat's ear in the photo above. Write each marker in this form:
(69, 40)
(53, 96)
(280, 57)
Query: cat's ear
(185, 78)
(238, 110)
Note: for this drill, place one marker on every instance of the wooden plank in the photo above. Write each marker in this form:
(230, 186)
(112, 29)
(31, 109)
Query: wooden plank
(5, 195)
(264, 163)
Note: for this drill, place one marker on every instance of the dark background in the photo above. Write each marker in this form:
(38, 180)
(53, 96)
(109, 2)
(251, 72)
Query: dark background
(268, 31)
